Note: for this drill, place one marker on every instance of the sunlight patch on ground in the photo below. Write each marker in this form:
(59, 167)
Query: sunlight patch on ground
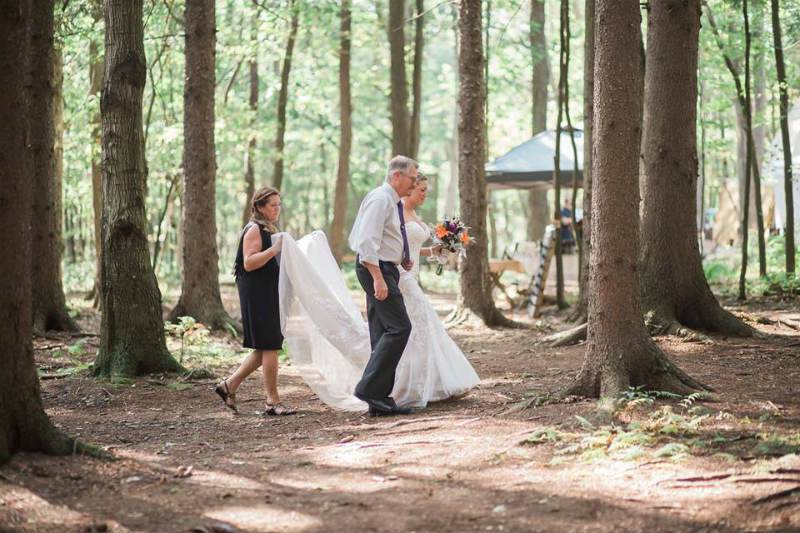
(137, 455)
(356, 482)
(216, 479)
(264, 518)
(18, 506)
(463, 447)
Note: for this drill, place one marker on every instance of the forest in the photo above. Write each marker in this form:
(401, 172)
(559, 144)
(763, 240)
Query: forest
(627, 298)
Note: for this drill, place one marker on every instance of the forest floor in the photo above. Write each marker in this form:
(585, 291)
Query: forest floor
(501, 458)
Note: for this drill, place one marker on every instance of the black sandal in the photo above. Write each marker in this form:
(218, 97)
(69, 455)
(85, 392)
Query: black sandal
(225, 394)
(278, 409)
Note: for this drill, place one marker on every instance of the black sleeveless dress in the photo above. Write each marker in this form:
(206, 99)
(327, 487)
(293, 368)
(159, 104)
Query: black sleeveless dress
(258, 298)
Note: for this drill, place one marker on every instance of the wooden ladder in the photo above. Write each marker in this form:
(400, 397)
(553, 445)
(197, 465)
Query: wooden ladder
(546, 251)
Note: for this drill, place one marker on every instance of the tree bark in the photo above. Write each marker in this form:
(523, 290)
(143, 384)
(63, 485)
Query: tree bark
(24, 426)
(537, 198)
(674, 288)
(345, 134)
(588, 143)
(283, 97)
(200, 297)
(476, 291)
(132, 329)
(562, 103)
(416, 80)
(787, 146)
(95, 86)
(49, 303)
(619, 352)
(250, 171)
(399, 89)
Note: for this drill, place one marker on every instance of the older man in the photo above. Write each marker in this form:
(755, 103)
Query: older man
(379, 240)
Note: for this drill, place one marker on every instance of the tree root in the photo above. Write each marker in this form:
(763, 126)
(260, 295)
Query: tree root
(462, 315)
(567, 337)
(643, 365)
(215, 319)
(777, 496)
(657, 327)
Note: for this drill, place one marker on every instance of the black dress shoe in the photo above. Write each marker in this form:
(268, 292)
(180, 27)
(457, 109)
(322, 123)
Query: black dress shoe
(383, 407)
(395, 410)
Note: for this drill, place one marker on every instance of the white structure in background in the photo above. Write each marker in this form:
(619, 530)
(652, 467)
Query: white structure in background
(773, 171)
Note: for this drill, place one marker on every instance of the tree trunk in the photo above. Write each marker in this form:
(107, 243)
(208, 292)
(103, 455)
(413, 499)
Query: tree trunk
(283, 97)
(588, 143)
(250, 171)
(24, 426)
(562, 103)
(345, 135)
(49, 303)
(476, 289)
(619, 353)
(132, 329)
(200, 297)
(95, 86)
(574, 199)
(674, 287)
(416, 80)
(399, 89)
(537, 198)
(787, 147)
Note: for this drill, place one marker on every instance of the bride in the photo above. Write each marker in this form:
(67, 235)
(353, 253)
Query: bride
(432, 367)
(328, 339)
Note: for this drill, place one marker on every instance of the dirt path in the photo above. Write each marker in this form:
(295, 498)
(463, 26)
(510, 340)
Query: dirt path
(479, 463)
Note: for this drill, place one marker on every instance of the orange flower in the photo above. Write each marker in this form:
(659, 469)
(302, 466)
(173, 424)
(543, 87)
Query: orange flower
(441, 232)
(465, 238)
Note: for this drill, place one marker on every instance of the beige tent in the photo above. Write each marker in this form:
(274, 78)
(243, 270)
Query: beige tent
(728, 218)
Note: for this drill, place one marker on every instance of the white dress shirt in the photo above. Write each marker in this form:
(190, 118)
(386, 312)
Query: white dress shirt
(376, 231)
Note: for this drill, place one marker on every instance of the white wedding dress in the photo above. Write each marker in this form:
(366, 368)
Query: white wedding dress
(432, 367)
(328, 340)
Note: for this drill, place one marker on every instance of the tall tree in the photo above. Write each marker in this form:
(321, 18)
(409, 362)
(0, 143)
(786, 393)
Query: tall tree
(476, 289)
(786, 143)
(751, 166)
(250, 170)
(401, 131)
(283, 97)
(24, 426)
(619, 352)
(588, 144)
(416, 79)
(132, 329)
(200, 297)
(345, 133)
(674, 288)
(562, 104)
(95, 86)
(537, 198)
(49, 303)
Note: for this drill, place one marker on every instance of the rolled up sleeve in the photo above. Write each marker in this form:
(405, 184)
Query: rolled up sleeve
(368, 233)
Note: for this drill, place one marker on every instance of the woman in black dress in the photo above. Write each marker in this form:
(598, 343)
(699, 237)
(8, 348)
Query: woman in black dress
(256, 271)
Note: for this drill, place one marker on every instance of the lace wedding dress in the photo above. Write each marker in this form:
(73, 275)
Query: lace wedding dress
(328, 340)
(432, 367)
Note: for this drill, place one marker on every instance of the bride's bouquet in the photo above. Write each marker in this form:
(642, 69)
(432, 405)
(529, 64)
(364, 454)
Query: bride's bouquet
(453, 236)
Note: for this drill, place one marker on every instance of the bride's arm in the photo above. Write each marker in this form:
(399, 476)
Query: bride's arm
(430, 250)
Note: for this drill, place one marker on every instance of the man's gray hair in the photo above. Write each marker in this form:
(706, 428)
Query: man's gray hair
(401, 163)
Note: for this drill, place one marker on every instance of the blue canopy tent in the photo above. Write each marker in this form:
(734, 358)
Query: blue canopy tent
(530, 165)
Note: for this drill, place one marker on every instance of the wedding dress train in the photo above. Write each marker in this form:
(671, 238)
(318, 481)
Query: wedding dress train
(328, 340)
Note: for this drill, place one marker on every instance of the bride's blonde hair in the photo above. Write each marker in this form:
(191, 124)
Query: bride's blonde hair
(260, 198)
